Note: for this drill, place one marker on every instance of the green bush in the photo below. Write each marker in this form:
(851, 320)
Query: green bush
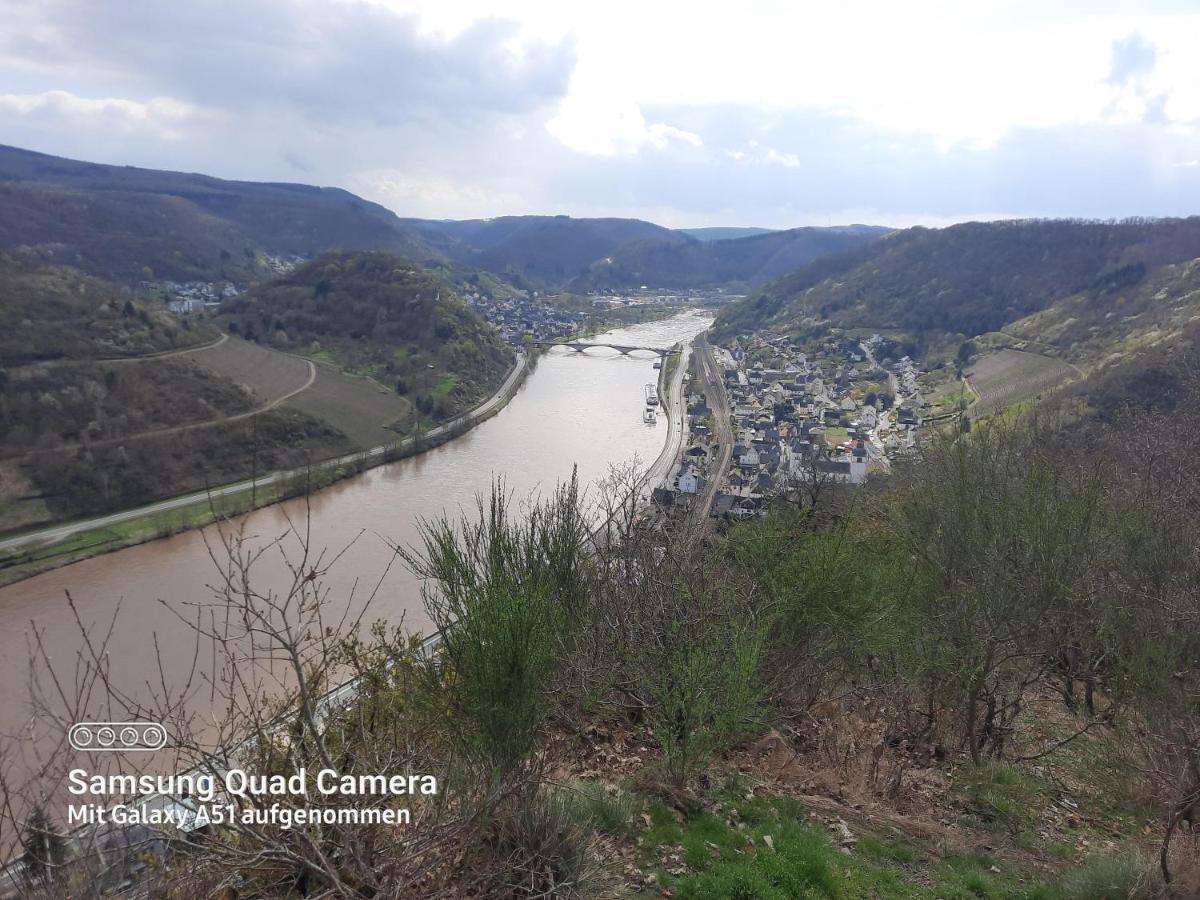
(605, 809)
(546, 838)
(1128, 875)
(1001, 793)
(502, 591)
(704, 689)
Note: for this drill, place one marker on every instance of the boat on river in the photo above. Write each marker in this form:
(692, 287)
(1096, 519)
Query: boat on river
(649, 416)
(651, 395)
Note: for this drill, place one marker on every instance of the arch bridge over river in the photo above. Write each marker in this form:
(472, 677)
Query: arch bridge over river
(583, 346)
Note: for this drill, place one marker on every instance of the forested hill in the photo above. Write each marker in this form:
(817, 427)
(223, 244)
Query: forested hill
(383, 316)
(56, 312)
(538, 250)
(739, 261)
(967, 279)
(129, 223)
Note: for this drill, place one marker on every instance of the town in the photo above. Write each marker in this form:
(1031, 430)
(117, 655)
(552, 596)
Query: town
(833, 409)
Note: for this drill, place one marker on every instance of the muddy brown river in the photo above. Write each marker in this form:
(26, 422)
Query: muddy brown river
(581, 410)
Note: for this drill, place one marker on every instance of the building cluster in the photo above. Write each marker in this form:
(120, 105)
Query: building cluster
(184, 297)
(526, 316)
(828, 412)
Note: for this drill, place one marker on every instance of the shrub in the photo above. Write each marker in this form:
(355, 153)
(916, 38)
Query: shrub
(546, 840)
(704, 689)
(605, 809)
(501, 590)
(1001, 793)
(1128, 875)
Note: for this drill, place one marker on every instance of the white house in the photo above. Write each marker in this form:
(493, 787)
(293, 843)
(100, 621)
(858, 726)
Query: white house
(690, 482)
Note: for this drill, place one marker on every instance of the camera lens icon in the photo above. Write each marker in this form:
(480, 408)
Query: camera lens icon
(123, 737)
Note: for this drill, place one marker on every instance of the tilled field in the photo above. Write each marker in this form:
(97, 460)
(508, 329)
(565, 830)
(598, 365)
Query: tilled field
(1010, 376)
(268, 373)
(361, 409)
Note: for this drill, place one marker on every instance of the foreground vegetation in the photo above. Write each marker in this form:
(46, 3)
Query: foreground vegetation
(973, 679)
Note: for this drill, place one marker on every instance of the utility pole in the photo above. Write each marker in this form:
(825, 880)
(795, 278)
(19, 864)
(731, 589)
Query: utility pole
(254, 463)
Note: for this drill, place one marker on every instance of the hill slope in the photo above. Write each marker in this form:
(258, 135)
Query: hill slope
(56, 312)
(966, 279)
(382, 316)
(724, 232)
(117, 220)
(696, 263)
(541, 250)
(131, 224)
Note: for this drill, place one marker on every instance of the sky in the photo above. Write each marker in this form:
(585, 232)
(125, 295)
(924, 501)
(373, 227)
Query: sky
(774, 114)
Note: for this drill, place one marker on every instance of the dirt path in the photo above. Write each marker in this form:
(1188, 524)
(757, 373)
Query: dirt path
(123, 360)
(190, 426)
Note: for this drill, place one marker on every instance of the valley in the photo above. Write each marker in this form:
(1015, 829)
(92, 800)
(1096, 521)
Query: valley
(833, 611)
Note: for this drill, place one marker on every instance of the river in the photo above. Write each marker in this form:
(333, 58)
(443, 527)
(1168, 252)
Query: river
(574, 409)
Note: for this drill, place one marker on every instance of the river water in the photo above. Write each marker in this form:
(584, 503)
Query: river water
(575, 409)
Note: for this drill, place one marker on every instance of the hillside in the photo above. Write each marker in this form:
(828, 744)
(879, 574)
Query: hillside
(698, 263)
(723, 233)
(540, 250)
(380, 316)
(967, 279)
(976, 680)
(55, 312)
(96, 388)
(131, 224)
(119, 221)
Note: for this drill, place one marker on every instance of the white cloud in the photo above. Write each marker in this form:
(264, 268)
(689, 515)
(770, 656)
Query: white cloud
(775, 111)
(161, 117)
(595, 128)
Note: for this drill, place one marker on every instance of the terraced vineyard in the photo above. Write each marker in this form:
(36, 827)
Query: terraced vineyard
(268, 373)
(360, 408)
(1006, 377)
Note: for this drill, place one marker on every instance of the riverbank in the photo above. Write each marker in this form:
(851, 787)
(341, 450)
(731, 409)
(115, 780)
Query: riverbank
(27, 555)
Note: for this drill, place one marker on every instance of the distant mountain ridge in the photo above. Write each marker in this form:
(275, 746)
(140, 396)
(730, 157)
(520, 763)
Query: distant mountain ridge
(115, 221)
(131, 224)
(693, 263)
(724, 232)
(538, 249)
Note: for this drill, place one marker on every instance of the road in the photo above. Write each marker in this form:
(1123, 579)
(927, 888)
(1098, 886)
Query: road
(62, 532)
(876, 451)
(718, 402)
(660, 471)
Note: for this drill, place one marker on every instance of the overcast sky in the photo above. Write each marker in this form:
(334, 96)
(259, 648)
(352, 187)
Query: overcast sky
(688, 113)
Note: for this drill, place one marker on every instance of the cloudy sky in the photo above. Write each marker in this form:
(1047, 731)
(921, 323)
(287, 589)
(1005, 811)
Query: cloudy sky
(685, 113)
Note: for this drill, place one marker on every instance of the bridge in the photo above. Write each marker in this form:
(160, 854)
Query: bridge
(582, 346)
